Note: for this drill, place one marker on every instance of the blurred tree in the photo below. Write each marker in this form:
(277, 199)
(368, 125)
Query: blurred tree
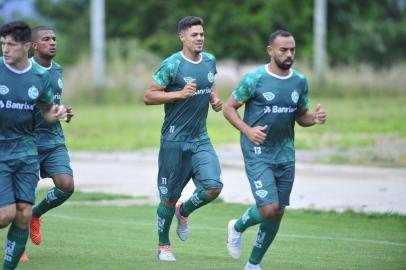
(70, 18)
(371, 31)
(366, 31)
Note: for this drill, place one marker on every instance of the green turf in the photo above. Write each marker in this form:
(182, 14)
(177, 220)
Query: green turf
(96, 237)
(351, 122)
(89, 196)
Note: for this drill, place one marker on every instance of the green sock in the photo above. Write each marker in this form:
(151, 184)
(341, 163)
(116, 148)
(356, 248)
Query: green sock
(250, 218)
(164, 220)
(198, 199)
(54, 198)
(266, 234)
(15, 246)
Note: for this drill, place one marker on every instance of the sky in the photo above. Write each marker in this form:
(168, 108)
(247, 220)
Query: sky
(15, 9)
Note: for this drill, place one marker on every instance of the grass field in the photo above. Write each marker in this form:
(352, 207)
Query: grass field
(352, 122)
(109, 237)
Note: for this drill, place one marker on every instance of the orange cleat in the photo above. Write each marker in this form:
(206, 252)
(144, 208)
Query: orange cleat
(35, 230)
(24, 257)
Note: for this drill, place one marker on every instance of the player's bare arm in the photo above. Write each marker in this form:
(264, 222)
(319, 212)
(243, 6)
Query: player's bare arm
(215, 101)
(53, 112)
(305, 118)
(156, 94)
(254, 134)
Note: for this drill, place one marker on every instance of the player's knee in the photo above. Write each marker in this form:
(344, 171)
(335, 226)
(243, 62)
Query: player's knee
(169, 203)
(65, 183)
(6, 217)
(271, 212)
(213, 193)
(67, 187)
(23, 214)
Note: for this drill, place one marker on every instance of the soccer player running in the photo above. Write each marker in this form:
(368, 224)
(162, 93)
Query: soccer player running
(184, 82)
(23, 85)
(275, 96)
(52, 152)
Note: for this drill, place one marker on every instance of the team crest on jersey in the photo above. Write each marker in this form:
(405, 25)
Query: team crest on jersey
(268, 96)
(188, 79)
(33, 92)
(60, 83)
(210, 76)
(295, 96)
(163, 190)
(4, 89)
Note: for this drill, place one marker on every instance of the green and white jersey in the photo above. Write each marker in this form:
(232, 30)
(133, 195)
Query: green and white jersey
(272, 100)
(49, 135)
(20, 91)
(185, 119)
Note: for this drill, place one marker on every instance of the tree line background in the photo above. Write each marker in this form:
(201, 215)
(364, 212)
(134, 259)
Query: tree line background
(367, 31)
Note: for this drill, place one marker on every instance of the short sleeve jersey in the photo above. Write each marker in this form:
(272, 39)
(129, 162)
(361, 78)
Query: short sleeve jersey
(20, 91)
(49, 135)
(185, 119)
(273, 101)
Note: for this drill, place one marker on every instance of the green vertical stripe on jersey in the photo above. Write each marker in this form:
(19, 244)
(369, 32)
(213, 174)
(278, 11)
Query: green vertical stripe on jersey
(185, 119)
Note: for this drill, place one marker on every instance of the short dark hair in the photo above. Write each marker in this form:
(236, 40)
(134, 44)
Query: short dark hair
(35, 31)
(20, 31)
(189, 21)
(278, 33)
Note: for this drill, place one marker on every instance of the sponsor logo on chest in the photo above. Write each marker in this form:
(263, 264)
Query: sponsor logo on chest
(32, 93)
(269, 96)
(8, 104)
(4, 90)
(198, 91)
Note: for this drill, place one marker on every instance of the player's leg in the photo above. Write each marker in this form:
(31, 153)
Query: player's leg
(284, 174)
(171, 181)
(7, 195)
(165, 213)
(266, 234)
(206, 176)
(263, 187)
(25, 179)
(207, 179)
(54, 163)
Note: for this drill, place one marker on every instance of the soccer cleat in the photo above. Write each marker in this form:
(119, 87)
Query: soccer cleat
(182, 228)
(24, 257)
(234, 240)
(164, 253)
(250, 266)
(35, 230)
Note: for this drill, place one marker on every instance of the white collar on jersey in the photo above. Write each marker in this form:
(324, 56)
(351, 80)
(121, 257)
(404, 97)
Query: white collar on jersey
(193, 62)
(277, 76)
(17, 70)
(47, 68)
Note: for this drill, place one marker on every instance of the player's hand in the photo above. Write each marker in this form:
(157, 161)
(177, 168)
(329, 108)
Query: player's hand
(320, 116)
(256, 134)
(216, 103)
(69, 114)
(59, 112)
(189, 89)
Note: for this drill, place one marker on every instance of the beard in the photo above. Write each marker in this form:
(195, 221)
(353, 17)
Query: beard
(285, 65)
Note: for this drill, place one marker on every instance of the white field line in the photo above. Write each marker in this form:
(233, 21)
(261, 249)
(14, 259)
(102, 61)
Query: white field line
(149, 224)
